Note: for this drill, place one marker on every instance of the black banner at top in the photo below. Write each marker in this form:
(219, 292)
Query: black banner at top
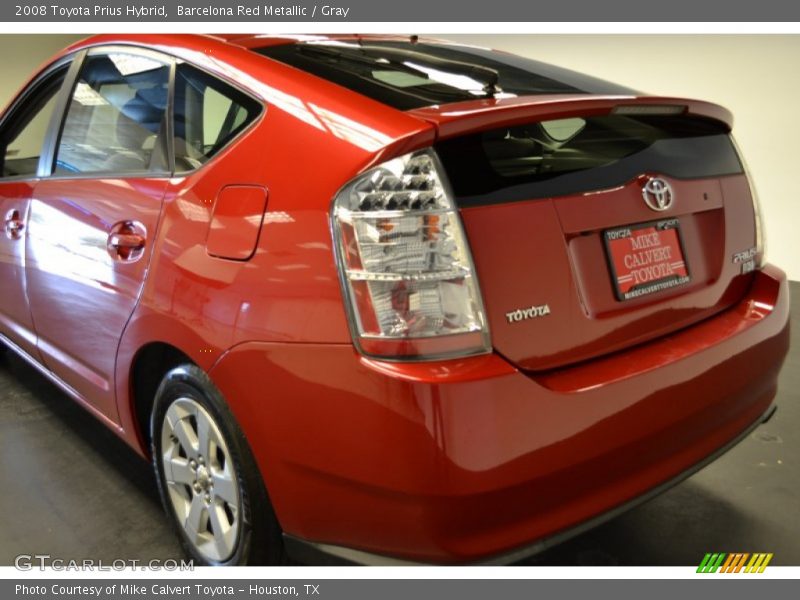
(464, 11)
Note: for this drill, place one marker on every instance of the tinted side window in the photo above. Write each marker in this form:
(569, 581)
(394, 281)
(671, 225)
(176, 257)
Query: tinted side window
(208, 115)
(116, 118)
(23, 136)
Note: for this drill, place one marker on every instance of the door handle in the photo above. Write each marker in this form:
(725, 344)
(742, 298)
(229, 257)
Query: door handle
(14, 225)
(131, 241)
(127, 241)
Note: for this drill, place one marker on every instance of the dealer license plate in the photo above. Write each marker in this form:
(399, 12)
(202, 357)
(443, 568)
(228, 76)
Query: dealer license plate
(646, 258)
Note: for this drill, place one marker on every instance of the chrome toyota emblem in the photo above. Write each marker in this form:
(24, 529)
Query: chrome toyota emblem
(657, 194)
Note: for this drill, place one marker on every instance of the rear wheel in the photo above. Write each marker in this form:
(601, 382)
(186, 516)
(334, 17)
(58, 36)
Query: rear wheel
(207, 476)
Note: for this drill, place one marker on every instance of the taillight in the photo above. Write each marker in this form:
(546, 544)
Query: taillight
(407, 274)
(761, 242)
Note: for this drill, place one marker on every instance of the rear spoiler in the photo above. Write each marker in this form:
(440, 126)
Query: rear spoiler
(481, 115)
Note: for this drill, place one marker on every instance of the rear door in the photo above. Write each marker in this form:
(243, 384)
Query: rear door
(22, 137)
(92, 223)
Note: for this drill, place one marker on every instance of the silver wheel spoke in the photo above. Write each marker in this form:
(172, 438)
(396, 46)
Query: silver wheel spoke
(205, 435)
(225, 488)
(186, 437)
(196, 519)
(177, 470)
(222, 529)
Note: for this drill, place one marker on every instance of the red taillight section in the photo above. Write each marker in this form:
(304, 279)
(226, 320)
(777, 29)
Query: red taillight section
(405, 265)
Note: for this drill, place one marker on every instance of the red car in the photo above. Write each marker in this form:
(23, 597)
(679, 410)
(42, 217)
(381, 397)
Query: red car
(380, 298)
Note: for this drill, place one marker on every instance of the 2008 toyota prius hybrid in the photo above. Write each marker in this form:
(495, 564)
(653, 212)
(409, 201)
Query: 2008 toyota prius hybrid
(385, 299)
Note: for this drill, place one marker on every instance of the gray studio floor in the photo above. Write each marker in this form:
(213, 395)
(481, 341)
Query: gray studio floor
(69, 488)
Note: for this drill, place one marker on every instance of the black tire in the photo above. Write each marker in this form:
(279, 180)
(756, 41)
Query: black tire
(259, 539)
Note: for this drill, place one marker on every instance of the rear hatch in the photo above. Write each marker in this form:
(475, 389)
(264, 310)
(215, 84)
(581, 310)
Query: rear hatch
(596, 223)
(597, 218)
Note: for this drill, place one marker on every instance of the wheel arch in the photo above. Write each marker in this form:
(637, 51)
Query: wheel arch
(152, 344)
(149, 366)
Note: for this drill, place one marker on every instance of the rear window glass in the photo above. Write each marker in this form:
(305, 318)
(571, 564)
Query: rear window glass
(568, 156)
(408, 75)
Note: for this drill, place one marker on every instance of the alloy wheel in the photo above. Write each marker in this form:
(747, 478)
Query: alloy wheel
(201, 479)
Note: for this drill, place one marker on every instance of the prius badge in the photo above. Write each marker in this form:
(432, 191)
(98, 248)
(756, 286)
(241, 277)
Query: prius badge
(657, 194)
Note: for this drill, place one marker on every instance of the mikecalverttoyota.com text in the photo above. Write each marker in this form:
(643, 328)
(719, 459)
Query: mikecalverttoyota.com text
(101, 11)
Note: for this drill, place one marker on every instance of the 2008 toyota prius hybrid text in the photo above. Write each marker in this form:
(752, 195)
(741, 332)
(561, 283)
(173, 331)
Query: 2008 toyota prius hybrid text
(383, 299)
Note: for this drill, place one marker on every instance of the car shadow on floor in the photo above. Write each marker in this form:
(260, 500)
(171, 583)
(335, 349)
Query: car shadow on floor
(674, 529)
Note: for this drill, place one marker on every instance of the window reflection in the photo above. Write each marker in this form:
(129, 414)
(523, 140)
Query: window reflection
(115, 121)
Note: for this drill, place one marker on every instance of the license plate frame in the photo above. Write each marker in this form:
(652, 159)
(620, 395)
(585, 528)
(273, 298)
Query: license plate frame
(642, 258)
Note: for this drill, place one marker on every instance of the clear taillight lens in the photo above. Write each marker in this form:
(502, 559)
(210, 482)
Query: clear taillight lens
(407, 273)
(761, 239)
(761, 242)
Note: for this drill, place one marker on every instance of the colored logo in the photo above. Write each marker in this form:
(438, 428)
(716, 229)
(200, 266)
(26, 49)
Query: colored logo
(736, 562)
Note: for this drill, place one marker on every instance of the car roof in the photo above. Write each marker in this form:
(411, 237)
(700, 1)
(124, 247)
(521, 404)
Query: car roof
(244, 40)
(236, 56)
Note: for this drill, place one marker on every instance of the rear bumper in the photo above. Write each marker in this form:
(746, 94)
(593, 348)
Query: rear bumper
(472, 460)
(328, 554)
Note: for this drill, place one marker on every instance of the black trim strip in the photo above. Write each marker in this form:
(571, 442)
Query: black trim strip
(59, 116)
(170, 115)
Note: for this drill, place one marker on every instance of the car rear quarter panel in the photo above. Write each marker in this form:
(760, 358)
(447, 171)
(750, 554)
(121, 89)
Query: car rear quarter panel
(311, 139)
